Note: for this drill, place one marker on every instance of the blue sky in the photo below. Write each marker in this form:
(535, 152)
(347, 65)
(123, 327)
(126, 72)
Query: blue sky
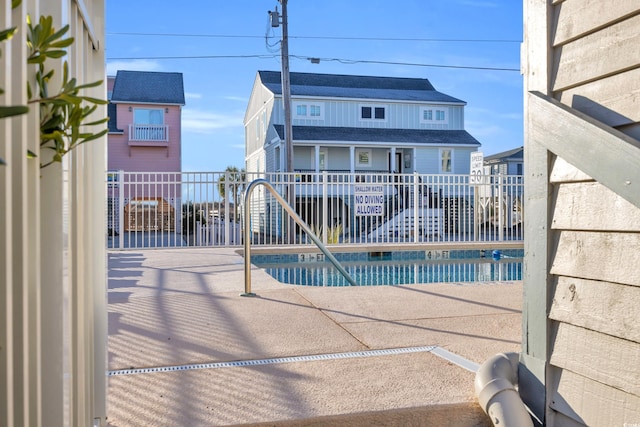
(222, 44)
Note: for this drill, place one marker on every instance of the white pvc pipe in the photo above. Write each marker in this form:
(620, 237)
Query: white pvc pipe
(495, 386)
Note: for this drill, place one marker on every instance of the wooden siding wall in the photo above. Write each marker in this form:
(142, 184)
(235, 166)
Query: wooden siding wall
(582, 253)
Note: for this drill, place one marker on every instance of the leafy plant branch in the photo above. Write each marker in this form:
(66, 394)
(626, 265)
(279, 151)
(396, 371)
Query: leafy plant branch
(11, 110)
(63, 114)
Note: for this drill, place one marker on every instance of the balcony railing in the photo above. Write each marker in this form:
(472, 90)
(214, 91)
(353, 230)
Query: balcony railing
(148, 134)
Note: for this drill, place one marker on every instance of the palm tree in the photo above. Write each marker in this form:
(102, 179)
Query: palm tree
(233, 180)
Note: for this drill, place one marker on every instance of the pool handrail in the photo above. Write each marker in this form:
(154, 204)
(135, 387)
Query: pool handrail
(296, 218)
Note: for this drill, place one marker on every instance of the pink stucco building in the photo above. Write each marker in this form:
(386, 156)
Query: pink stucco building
(144, 150)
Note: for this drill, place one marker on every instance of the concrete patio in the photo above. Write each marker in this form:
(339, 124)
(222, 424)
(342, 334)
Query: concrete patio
(300, 355)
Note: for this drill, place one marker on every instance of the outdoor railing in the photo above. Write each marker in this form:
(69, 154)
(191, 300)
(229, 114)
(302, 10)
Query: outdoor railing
(182, 209)
(148, 133)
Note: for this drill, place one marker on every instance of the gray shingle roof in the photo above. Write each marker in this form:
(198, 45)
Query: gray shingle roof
(408, 136)
(358, 87)
(148, 87)
(514, 154)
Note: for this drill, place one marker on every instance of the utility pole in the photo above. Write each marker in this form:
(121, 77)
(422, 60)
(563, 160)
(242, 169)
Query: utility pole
(276, 19)
(286, 88)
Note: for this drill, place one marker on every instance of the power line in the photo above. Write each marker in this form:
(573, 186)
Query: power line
(391, 39)
(413, 64)
(307, 58)
(133, 58)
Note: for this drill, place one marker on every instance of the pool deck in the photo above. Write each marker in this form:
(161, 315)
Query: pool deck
(300, 356)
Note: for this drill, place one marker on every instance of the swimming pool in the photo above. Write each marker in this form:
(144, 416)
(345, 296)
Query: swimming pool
(395, 268)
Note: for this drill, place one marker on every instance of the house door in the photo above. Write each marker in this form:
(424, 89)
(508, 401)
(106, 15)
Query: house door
(398, 168)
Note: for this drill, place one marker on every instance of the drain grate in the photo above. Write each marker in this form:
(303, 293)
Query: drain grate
(318, 357)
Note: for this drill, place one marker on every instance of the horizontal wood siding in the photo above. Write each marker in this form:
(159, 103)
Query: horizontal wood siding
(601, 357)
(593, 403)
(593, 335)
(614, 100)
(599, 306)
(591, 206)
(270, 160)
(617, 43)
(605, 256)
(576, 18)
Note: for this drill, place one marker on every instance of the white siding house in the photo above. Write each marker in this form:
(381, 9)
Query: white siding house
(348, 123)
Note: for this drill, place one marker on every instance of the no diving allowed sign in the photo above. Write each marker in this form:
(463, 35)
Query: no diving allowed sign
(369, 200)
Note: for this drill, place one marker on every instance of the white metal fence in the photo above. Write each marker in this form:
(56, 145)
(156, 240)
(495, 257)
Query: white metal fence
(182, 209)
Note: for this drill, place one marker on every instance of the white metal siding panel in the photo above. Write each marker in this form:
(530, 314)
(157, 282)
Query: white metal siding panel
(397, 115)
(62, 216)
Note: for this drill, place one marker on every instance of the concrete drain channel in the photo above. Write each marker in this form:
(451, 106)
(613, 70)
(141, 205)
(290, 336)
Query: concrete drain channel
(438, 351)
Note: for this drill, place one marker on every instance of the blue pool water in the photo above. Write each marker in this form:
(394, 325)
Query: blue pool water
(395, 268)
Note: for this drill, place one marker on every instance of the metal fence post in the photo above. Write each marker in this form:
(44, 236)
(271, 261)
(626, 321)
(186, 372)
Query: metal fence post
(120, 186)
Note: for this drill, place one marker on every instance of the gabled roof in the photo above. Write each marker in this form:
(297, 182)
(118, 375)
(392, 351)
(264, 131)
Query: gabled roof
(516, 154)
(356, 87)
(407, 136)
(148, 87)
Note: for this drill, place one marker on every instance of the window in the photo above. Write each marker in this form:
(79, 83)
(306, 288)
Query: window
(445, 160)
(363, 158)
(148, 116)
(369, 112)
(434, 115)
(264, 123)
(322, 161)
(148, 125)
(302, 110)
(277, 161)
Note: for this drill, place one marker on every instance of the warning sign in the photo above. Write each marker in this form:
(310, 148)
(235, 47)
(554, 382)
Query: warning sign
(369, 200)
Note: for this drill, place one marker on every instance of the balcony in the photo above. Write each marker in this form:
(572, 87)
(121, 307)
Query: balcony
(149, 135)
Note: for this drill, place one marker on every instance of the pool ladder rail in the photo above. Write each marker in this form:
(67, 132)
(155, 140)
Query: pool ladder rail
(247, 234)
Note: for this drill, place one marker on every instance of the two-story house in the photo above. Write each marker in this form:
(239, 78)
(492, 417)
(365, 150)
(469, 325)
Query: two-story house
(368, 127)
(357, 124)
(144, 149)
(510, 162)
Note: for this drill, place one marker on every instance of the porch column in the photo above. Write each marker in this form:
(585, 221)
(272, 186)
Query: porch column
(392, 160)
(317, 147)
(352, 158)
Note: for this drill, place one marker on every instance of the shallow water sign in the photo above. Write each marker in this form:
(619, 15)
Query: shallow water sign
(369, 200)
